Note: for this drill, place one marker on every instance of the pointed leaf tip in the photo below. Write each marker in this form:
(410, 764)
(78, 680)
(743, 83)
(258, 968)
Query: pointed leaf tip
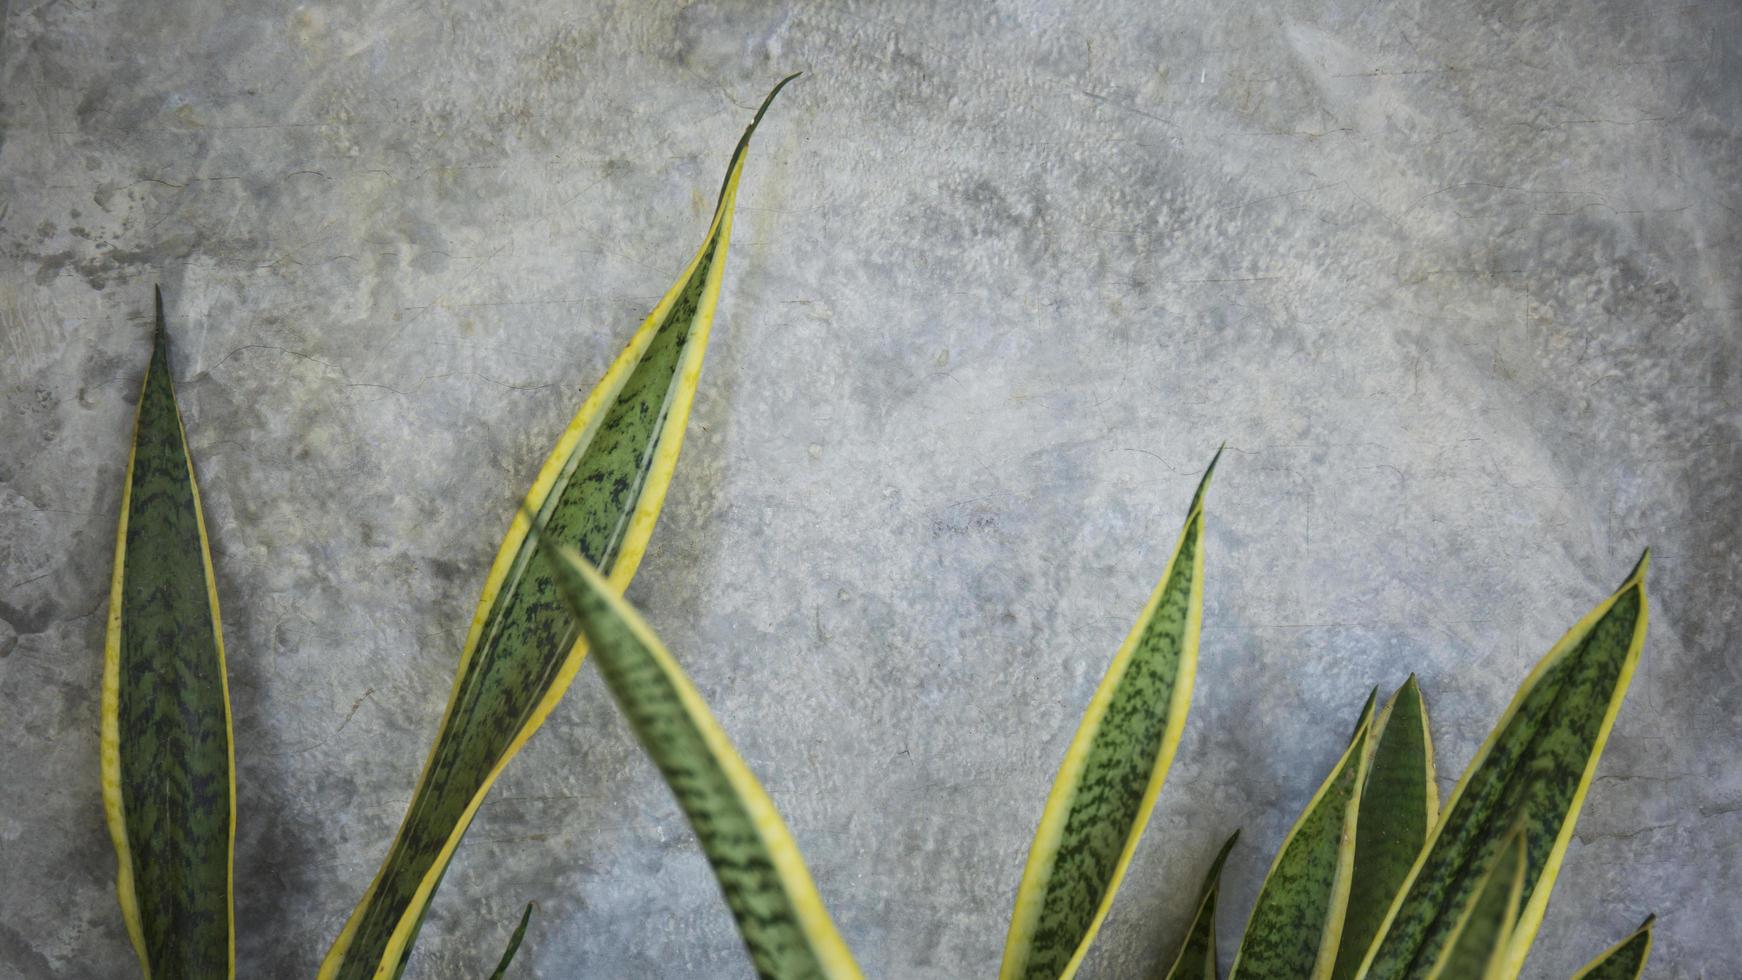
(1623, 961)
(749, 131)
(1204, 481)
(1366, 718)
(160, 329)
(1196, 959)
(514, 942)
(1397, 808)
(599, 492)
(1637, 575)
(1296, 922)
(1211, 880)
(1536, 763)
(168, 765)
(768, 100)
(1123, 748)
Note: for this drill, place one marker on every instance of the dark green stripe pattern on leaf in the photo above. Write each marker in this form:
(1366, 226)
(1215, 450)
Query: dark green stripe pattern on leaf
(649, 695)
(1299, 897)
(1107, 806)
(1529, 777)
(528, 633)
(1623, 961)
(1197, 954)
(174, 738)
(1392, 825)
(526, 636)
(1487, 924)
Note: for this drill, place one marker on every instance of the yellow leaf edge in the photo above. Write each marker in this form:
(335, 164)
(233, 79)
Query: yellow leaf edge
(1360, 750)
(1645, 927)
(1494, 969)
(1037, 871)
(629, 555)
(1530, 917)
(1431, 782)
(114, 809)
(813, 914)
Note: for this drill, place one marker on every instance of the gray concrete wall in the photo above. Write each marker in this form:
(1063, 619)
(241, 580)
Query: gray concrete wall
(1456, 281)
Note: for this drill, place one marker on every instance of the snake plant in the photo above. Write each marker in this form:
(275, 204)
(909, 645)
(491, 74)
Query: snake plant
(599, 492)
(167, 751)
(1375, 881)
(1112, 772)
(169, 769)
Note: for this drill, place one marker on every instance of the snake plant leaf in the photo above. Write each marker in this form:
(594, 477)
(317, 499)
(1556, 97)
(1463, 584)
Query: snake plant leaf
(1112, 772)
(785, 926)
(169, 784)
(1197, 954)
(1399, 806)
(600, 492)
(1297, 922)
(514, 942)
(1535, 768)
(1623, 961)
(1476, 949)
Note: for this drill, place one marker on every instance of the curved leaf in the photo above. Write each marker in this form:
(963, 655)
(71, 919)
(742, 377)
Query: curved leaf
(514, 942)
(1197, 954)
(600, 491)
(169, 784)
(1399, 805)
(780, 915)
(1112, 773)
(1534, 769)
(1297, 921)
(1623, 961)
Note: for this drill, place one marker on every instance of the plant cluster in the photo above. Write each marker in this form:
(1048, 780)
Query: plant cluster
(1376, 880)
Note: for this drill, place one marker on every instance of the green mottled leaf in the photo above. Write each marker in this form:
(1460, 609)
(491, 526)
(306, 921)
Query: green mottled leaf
(1112, 772)
(513, 945)
(169, 787)
(1298, 919)
(1476, 948)
(599, 492)
(1623, 961)
(1399, 805)
(779, 913)
(1534, 771)
(1197, 954)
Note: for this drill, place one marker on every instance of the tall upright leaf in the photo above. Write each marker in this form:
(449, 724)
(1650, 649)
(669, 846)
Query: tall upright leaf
(1623, 961)
(1197, 954)
(1297, 922)
(1399, 805)
(600, 492)
(1534, 769)
(169, 786)
(779, 913)
(1112, 773)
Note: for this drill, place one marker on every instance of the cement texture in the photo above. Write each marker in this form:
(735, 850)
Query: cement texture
(1456, 281)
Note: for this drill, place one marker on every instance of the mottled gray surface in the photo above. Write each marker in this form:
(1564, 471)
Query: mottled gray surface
(1457, 282)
